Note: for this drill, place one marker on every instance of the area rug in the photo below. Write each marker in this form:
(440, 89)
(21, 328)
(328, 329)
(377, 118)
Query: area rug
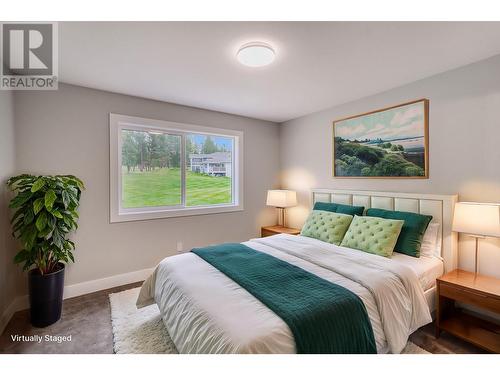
(143, 332)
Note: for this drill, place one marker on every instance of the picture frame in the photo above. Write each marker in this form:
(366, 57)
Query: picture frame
(392, 142)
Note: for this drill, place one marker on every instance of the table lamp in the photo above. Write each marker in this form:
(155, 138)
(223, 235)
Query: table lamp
(478, 220)
(281, 199)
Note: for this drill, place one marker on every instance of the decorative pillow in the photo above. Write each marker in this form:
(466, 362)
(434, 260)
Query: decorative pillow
(410, 239)
(373, 234)
(339, 208)
(326, 226)
(430, 242)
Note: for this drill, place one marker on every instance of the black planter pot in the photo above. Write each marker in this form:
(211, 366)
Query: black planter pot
(46, 293)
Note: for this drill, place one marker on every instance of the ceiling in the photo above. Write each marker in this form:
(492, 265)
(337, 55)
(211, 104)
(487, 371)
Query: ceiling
(318, 64)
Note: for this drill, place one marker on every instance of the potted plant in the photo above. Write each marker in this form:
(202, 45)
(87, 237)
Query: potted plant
(45, 213)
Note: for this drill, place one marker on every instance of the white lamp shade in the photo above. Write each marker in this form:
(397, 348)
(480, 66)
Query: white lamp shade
(481, 219)
(281, 198)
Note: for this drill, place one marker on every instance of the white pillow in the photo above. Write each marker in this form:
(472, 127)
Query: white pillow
(431, 244)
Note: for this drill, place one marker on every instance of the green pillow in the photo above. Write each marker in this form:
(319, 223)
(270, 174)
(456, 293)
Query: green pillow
(340, 208)
(412, 233)
(326, 226)
(373, 235)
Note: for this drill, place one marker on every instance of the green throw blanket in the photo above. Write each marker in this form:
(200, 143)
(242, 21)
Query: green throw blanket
(324, 317)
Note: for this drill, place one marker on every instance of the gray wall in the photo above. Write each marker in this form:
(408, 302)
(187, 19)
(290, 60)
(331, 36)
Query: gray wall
(464, 146)
(67, 132)
(8, 271)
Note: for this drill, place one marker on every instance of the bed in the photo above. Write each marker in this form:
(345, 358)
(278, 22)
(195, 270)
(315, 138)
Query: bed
(205, 311)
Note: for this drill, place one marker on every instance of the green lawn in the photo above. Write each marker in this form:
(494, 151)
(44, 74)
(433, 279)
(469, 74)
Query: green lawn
(162, 187)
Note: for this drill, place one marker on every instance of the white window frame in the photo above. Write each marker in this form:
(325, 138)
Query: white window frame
(118, 122)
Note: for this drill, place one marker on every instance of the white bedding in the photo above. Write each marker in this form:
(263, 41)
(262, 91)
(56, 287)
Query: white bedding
(427, 269)
(206, 312)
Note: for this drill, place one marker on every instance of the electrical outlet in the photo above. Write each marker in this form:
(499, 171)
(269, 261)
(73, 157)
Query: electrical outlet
(180, 247)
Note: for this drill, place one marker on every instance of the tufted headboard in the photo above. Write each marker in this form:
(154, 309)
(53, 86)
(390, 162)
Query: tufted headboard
(439, 206)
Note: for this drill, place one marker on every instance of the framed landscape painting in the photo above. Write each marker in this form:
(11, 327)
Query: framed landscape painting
(387, 143)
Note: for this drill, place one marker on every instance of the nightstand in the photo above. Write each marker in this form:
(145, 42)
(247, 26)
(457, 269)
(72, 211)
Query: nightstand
(277, 229)
(476, 290)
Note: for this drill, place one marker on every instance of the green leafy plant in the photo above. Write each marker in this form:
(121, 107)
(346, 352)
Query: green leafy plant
(45, 212)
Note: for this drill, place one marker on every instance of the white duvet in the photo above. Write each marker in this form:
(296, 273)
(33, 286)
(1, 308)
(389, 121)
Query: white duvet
(206, 312)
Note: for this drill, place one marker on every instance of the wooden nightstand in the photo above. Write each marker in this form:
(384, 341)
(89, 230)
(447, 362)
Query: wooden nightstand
(277, 229)
(479, 291)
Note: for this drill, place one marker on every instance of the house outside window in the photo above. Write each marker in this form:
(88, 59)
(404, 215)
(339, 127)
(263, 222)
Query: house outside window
(215, 164)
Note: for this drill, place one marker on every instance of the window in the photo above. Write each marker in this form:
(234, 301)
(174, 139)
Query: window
(150, 169)
(209, 169)
(163, 169)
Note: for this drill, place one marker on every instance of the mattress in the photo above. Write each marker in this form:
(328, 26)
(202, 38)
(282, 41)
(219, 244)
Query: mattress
(430, 297)
(427, 269)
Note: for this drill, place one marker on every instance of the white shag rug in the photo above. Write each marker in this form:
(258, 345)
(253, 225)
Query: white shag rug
(138, 331)
(143, 332)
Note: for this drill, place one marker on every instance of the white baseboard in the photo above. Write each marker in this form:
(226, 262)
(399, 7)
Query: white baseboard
(75, 290)
(91, 286)
(18, 304)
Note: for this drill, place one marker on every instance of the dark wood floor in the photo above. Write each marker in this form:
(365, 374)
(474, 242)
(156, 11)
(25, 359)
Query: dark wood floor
(87, 319)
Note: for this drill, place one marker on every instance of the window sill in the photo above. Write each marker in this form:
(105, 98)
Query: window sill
(169, 213)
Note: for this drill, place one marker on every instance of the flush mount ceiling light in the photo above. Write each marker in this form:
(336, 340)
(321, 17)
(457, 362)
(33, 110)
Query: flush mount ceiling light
(256, 54)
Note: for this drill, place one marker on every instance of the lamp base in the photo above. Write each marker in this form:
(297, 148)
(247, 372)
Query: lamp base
(476, 240)
(281, 217)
